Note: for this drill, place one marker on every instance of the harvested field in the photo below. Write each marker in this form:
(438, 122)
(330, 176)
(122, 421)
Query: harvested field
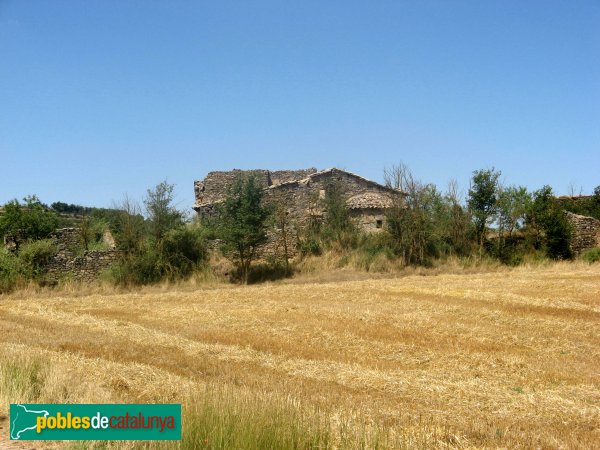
(503, 359)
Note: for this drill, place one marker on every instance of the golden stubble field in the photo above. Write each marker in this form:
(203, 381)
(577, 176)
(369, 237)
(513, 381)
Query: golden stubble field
(506, 359)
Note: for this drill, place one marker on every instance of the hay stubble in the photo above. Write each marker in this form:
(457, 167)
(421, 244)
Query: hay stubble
(509, 358)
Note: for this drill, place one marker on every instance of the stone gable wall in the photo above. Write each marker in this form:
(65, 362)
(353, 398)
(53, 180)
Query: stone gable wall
(586, 232)
(302, 199)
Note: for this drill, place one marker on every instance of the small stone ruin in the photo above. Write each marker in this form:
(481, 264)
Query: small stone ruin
(86, 266)
(585, 232)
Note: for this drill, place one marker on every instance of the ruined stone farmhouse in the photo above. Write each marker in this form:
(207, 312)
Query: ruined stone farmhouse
(301, 191)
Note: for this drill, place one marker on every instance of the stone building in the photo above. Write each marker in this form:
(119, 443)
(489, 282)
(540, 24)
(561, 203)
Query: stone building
(301, 191)
(585, 232)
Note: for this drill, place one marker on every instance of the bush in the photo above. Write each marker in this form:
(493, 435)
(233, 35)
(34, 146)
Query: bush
(547, 221)
(142, 268)
(591, 256)
(31, 219)
(181, 252)
(35, 256)
(310, 245)
(10, 271)
(29, 264)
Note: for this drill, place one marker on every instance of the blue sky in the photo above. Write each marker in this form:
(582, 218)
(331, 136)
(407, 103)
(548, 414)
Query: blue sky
(102, 98)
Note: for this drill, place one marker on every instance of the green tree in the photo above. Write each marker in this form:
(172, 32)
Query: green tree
(283, 226)
(86, 232)
(31, 220)
(457, 223)
(241, 223)
(162, 214)
(513, 204)
(407, 218)
(337, 226)
(483, 199)
(129, 227)
(548, 224)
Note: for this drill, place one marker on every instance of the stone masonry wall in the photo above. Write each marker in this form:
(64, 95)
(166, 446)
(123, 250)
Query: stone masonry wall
(586, 232)
(285, 176)
(66, 240)
(216, 184)
(214, 187)
(302, 197)
(86, 267)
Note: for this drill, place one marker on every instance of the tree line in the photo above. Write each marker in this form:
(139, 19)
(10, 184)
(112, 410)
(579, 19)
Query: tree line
(157, 241)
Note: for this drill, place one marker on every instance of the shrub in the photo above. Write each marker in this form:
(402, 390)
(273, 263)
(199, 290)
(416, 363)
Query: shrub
(141, 268)
(10, 271)
(310, 245)
(591, 256)
(548, 223)
(31, 219)
(35, 256)
(183, 251)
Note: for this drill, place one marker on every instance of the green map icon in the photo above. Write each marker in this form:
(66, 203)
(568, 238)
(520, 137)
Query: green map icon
(23, 420)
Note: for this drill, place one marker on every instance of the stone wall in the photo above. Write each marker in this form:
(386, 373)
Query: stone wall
(67, 240)
(285, 176)
(275, 246)
(369, 220)
(216, 184)
(84, 268)
(586, 232)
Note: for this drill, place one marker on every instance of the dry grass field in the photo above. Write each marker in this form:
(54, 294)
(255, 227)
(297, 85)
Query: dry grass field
(505, 359)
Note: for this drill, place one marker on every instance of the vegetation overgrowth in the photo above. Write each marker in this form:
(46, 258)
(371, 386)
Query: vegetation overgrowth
(424, 228)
